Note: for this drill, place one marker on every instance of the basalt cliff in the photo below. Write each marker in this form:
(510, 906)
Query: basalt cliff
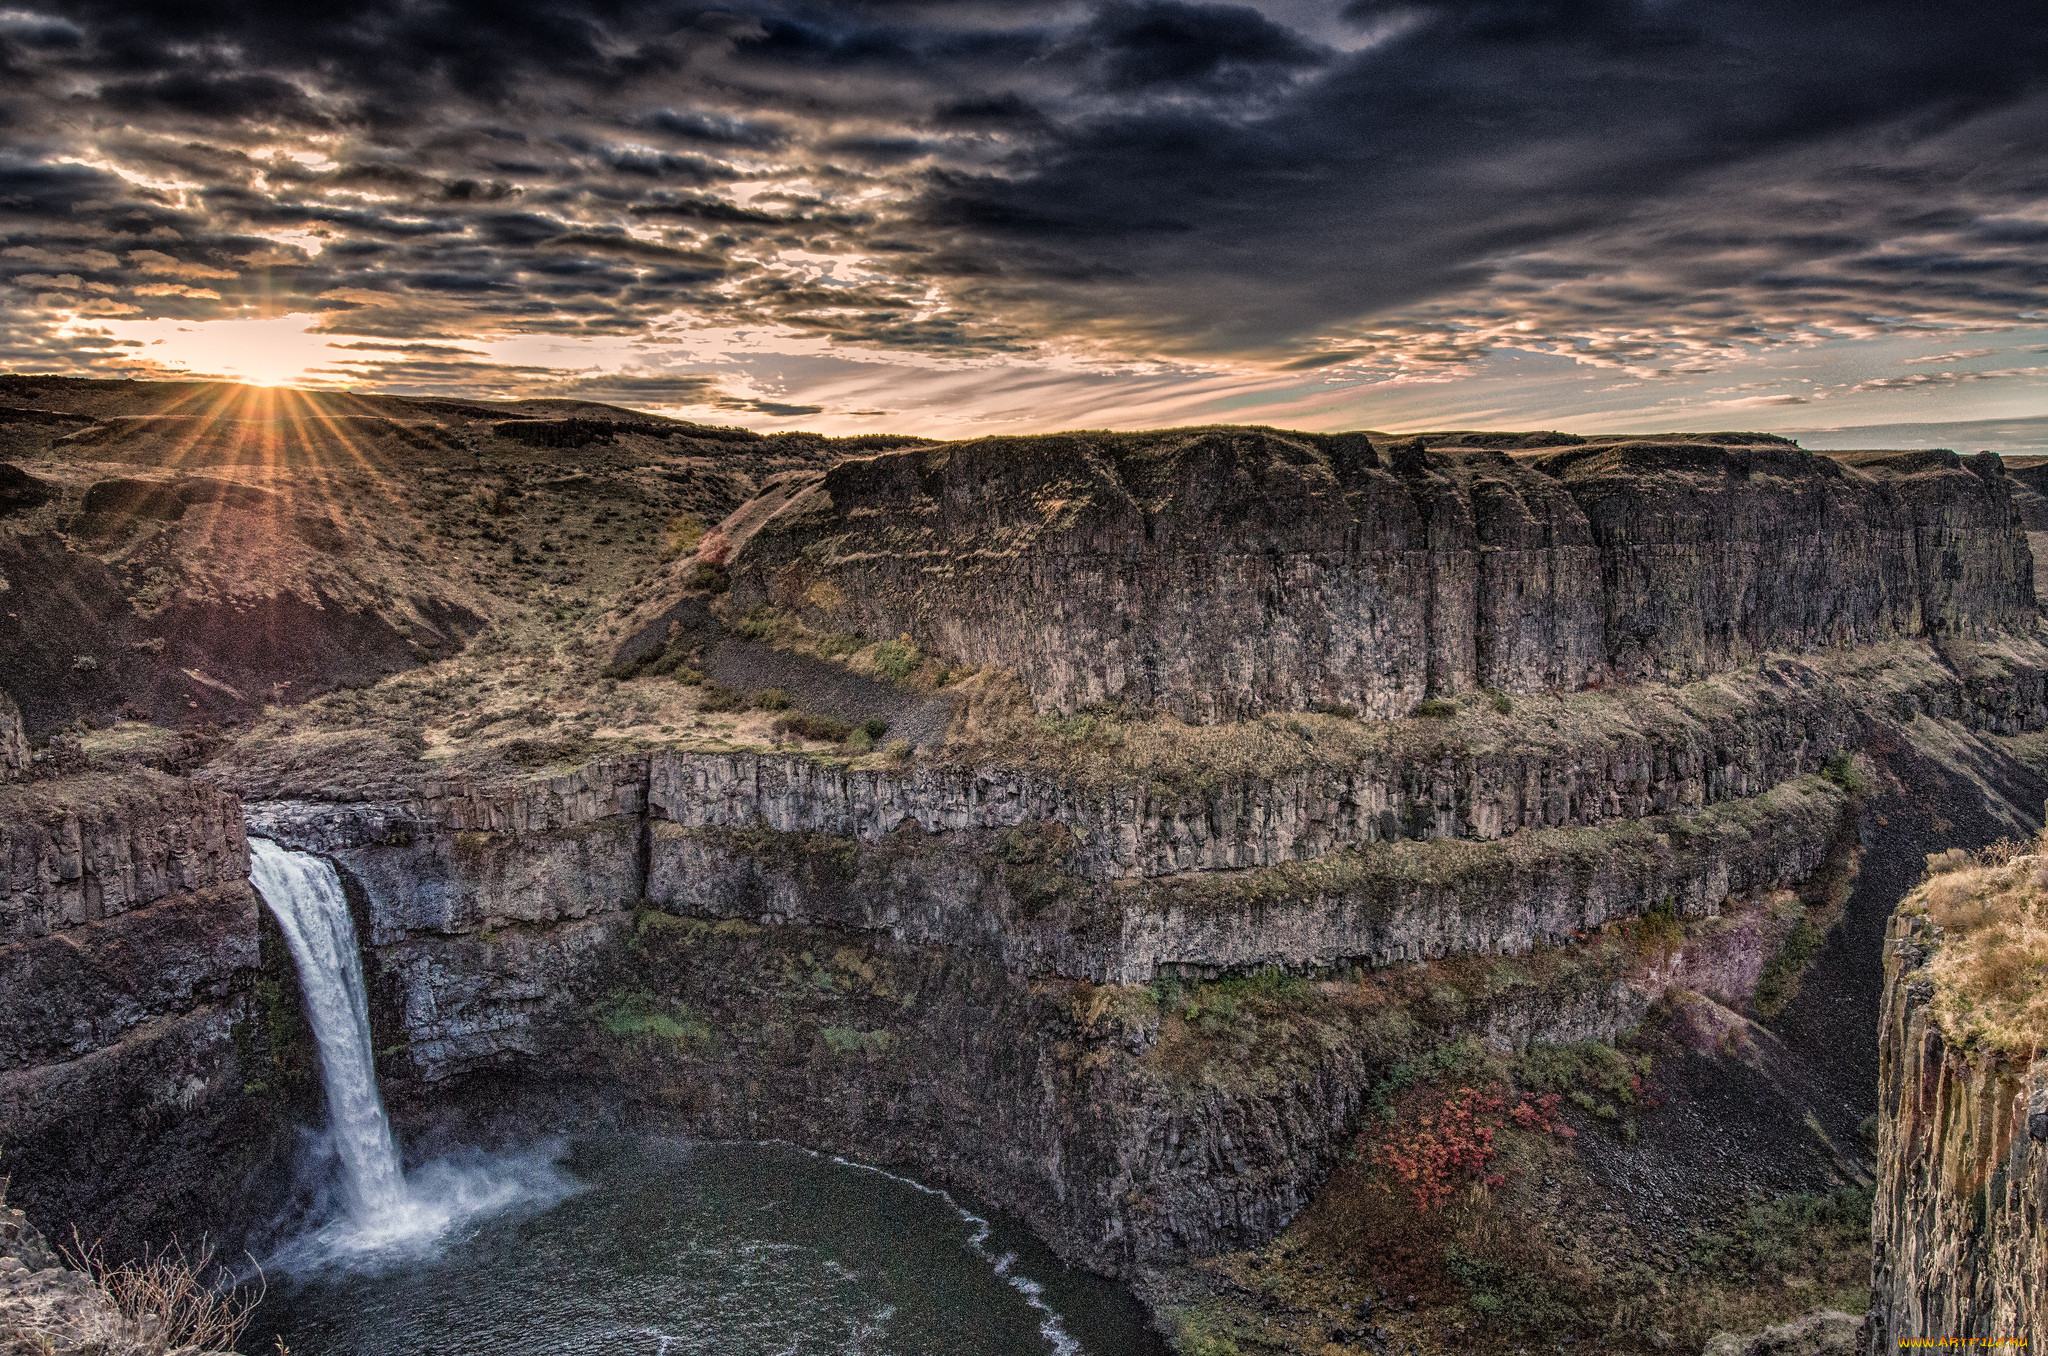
(1146, 834)
(1220, 574)
(1961, 1257)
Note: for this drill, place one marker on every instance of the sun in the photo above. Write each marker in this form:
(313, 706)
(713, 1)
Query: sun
(278, 351)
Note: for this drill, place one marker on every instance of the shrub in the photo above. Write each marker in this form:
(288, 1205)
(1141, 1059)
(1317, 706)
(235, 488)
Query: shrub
(813, 727)
(169, 1298)
(1596, 1078)
(718, 697)
(1504, 1295)
(762, 622)
(848, 1040)
(1780, 1236)
(661, 659)
(1841, 769)
(899, 750)
(685, 530)
(639, 1013)
(769, 699)
(1454, 1145)
(1782, 973)
(1464, 1058)
(1436, 708)
(896, 660)
(1342, 710)
(874, 727)
(710, 578)
(1501, 703)
(1660, 931)
(1072, 728)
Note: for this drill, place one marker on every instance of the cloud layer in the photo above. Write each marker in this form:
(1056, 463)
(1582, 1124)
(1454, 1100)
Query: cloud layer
(1383, 187)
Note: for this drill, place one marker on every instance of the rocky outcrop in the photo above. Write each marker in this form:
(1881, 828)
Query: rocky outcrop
(50, 1309)
(1219, 573)
(1128, 1125)
(87, 849)
(1120, 883)
(128, 935)
(45, 1307)
(1438, 785)
(930, 995)
(1961, 1220)
(1651, 752)
(1007, 895)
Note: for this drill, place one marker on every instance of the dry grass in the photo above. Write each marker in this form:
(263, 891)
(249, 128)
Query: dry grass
(168, 1299)
(1991, 972)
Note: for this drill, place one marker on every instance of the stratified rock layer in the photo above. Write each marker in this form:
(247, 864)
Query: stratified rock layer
(1219, 573)
(901, 963)
(127, 932)
(1961, 1220)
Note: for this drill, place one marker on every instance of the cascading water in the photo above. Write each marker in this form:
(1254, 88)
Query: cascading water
(306, 897)
(383, 1213)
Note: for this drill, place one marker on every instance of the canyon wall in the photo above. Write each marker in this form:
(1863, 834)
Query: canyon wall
(1961, 1219)
(1123, 1129)
(128, 934)
(927, 964)
(1220, 573)
(1448, 844)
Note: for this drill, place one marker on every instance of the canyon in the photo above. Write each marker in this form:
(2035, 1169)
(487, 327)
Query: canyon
(1240, 794)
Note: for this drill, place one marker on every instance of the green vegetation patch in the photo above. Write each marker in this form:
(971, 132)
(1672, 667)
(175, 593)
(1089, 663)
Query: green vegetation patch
(636, 1014)
(1600, 1080)
(1783, 1239)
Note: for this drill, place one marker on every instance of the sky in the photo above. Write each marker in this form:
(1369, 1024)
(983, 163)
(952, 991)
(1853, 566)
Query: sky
(962, 218)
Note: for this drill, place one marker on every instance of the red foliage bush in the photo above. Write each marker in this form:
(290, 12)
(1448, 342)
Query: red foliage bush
(1455, 1145)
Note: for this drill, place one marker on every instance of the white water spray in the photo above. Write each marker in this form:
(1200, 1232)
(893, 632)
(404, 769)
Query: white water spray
(383, 1213)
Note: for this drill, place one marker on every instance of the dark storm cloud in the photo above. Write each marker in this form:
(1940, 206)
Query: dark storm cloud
(1641, 182)
(1167, 45)
(1478, 131)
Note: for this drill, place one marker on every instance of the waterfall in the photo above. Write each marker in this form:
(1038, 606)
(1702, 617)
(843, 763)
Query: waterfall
(384, 1216)
(305, 895)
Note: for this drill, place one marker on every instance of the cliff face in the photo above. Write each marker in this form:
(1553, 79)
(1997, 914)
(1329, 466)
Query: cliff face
(1961, 1220)
(128, 931)
(908, 963)
(1125, 1129)
(1217, 574)
(1440, 849)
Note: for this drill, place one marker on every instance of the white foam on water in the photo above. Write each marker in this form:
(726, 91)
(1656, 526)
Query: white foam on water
(1050, 1325)
(441, 1197)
